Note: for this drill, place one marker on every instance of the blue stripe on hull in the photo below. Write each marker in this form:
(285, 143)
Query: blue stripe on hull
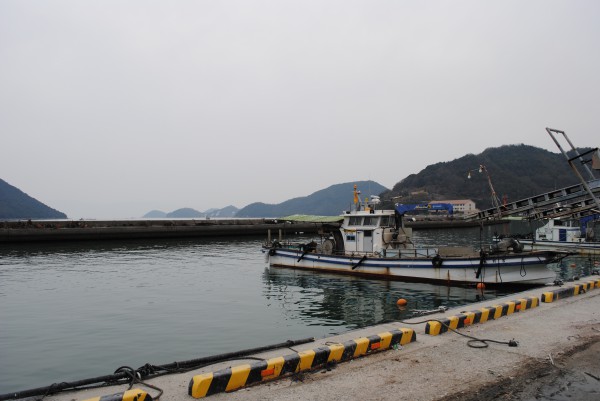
(458, 263)
(514, 269)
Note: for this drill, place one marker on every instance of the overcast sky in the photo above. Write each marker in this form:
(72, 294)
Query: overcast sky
(109, 109)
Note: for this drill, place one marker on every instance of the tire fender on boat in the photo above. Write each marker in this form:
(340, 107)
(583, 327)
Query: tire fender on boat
(274, 247)
(437, 261)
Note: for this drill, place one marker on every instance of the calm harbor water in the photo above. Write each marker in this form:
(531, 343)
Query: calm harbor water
(70, 311)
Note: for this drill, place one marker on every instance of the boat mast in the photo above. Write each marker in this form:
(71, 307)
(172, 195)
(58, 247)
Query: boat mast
(356, 198)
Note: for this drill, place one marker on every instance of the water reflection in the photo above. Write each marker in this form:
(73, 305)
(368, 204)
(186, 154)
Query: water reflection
(137, 246)
(575, 267)
(339, 300)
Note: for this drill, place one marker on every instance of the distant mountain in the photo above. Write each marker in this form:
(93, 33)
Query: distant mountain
(515, 171)
(155, 214)
(187, 212)
(228, 211)
(15, 204)
(331, 201)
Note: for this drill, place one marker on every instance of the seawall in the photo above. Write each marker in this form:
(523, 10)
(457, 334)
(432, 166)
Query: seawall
(80, 230)
(87, 230)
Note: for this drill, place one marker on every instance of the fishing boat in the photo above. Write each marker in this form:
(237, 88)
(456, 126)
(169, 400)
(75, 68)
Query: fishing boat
(565, 235)
(375, 242)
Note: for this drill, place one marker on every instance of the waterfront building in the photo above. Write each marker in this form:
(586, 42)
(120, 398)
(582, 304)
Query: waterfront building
(463, 206)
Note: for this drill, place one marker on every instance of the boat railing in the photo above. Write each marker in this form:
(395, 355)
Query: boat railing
(397, 253)
(383, 253)
(419, 253)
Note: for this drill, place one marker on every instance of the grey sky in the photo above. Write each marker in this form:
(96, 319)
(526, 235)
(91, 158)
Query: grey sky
(109, 109)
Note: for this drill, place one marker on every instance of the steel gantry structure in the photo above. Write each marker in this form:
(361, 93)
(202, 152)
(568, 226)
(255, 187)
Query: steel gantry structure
(574, 201)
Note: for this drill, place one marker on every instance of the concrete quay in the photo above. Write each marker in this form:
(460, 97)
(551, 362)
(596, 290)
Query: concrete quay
(15, 231)
(94, 230)
(557, 330)
(80, 230)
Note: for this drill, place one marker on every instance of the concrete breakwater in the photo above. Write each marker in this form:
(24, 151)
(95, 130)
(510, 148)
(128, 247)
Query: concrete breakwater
(85, 230)
(81, 230)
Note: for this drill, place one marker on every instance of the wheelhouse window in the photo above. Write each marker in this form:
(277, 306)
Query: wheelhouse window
(371, 221)
(354, 221)
(350, 237)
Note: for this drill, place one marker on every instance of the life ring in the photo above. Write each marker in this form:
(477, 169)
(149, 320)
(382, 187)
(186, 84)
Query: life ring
(437, 261)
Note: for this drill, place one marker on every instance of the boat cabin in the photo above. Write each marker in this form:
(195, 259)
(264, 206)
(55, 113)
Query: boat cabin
(559, 231)
(370, 231)
(367, 230)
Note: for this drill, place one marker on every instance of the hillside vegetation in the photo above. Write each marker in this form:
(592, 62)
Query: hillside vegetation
(516, 171)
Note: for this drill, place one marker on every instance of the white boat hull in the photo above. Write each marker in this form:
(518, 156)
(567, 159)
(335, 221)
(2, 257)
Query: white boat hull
(581, 248)
(510, 269)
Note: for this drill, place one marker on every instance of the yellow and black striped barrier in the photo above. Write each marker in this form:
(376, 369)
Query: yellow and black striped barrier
(129, 395)
(590, 285)
(565, 292)
(234, 378)
(595, 283)
(436, 327)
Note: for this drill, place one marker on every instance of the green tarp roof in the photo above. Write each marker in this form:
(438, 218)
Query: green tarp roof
(307, 218)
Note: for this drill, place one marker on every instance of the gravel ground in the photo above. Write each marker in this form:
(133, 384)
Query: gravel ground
(556, 359)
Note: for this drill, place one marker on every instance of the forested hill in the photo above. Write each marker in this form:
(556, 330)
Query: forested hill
(331, 201)
(15, 204)
(516, 171)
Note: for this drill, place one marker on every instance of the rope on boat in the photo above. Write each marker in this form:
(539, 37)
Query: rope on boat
(359, 262)
(498, 268)
(523, 271)
(302, 256)
(482, 260)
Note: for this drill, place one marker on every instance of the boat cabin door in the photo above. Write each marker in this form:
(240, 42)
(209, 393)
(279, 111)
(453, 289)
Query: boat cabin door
(367, 241)
(562, 235)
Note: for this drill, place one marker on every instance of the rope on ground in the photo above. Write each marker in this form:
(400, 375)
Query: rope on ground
(474, 342)
(134, 378)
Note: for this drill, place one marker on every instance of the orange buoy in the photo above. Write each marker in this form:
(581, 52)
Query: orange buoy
(573, 265)
(480, 286)
(401, 302)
